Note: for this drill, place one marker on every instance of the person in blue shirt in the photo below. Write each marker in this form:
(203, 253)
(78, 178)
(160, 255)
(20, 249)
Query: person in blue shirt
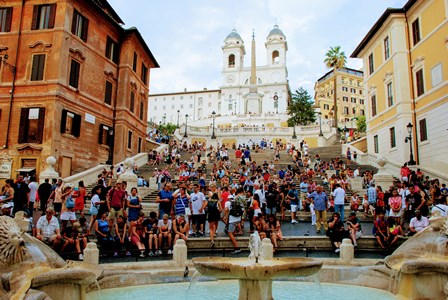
(320, 201)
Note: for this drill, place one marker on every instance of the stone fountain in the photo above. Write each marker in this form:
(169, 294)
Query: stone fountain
(32, 270)
(420, 265)
(255, 274)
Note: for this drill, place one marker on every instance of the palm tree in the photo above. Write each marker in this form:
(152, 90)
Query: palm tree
(335, 59)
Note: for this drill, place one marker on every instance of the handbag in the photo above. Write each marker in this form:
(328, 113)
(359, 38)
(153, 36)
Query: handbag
(187, 209)
(69, 202)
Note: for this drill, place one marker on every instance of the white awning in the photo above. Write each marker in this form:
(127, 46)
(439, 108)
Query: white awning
(25, 170)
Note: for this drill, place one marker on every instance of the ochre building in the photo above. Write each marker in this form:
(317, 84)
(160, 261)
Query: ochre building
(73, 84)
(405, 57)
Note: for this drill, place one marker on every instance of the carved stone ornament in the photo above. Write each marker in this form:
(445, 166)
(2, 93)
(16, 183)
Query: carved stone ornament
(40, 46)
(133, 84)
(77, 54)
(29, 149)
(418, 63)
(12, 245)
(110, 74)
(388, 77)
(372, 89)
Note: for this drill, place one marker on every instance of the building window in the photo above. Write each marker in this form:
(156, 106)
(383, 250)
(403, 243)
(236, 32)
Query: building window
(134, 63)
(31, 128)
(373, 104)
(419, 80)
(393, 143)
(112, 50)
(139, 145)
(80, 25)
(37, 71)
(416, 36)
(104, 136)
(371, 64)
(360, 92)
(436, 75)
(5, 19)
(362, 112)
(230, 106)
(386, 48)
(200, 102)
(361, 101)
(132, 100)
(423, 130)
(70, 123)
(345, 110)
(231, 60)
(352, 90)
(353, 99)
(345, 89)
(43, 16)
(191, 105)
(345, 99)
(390, 94)
(275, 57)
(108, 93)
(144, 75)
(375, 144)
(354, 110)
(129, 139)
(74, 74)
(326, 107)
(142, 110)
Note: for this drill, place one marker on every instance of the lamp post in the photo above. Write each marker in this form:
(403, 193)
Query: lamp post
(294, 136)
(186, 122)
(213, 127)
(13, 70)
(276, 103)
(320, 124)
(411, 161)
(110, 158)
(178, 116)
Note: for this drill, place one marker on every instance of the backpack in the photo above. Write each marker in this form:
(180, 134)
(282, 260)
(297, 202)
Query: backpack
(69, 202)
(236, 209)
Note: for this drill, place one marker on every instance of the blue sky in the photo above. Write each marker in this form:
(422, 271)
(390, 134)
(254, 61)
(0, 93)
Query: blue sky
(186, 36)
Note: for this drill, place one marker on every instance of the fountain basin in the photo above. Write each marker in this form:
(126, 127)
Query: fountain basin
(242, 268)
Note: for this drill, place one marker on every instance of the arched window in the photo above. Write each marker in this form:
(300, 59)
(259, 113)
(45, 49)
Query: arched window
(231, 60)
(275, 57)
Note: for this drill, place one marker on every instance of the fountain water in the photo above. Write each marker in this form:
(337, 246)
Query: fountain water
(255, 277)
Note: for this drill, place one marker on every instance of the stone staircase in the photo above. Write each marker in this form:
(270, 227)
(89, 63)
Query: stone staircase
(326, 154)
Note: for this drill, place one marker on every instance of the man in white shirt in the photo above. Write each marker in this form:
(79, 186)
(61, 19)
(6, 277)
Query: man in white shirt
(339, 199)
(198, 204)
(418, 223)
(260, 193)
(48, 228)
(356, 173)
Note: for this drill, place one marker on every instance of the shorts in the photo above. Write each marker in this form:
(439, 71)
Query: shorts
(232, 226)
(68, 215)
(49, 239)
(198, 220)
(294, 208)
(271, 210)
(404, 179)
(57, 207)
(358, 234)
(114, 213)
(395, 214)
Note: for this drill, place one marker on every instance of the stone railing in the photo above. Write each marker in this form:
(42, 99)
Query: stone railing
(91, 175)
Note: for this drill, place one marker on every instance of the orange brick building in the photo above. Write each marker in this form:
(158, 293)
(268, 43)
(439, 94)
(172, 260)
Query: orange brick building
(74, 84)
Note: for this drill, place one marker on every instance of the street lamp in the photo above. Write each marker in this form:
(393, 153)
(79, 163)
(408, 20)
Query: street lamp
(411, 161)
(276, 103)
(178, 116)
(213, 128)
(13, 70)
(320, 124)
(186, 121)
(294, 135)
(110, 158)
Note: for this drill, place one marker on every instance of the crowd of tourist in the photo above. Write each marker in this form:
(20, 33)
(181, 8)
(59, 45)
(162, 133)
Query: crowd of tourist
(231, 191)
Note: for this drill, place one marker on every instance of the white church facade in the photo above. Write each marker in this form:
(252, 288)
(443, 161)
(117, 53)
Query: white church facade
(245, 90)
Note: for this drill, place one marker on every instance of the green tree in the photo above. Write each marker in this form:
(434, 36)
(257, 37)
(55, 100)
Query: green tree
(335, 59)
(301, 109)
(361, 123)
(167, 128)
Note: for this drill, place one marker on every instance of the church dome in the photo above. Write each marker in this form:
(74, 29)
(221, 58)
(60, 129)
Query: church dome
(234, 35)
(276, 31)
